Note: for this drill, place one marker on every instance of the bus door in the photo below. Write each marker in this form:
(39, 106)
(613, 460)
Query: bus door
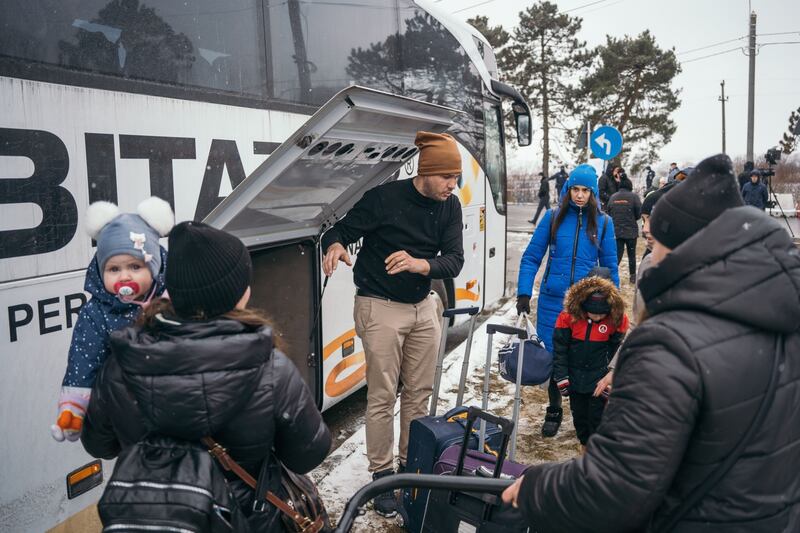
(495, 214)
(357, 140)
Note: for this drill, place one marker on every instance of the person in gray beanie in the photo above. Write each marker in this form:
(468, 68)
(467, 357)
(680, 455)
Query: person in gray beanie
(701, 432)
(123, 276)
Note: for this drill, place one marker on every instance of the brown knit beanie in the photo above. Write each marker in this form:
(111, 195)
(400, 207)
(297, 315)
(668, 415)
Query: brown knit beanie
(438, 154)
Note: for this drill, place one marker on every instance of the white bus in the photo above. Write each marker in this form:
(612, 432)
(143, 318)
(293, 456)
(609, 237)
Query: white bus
(120, 99)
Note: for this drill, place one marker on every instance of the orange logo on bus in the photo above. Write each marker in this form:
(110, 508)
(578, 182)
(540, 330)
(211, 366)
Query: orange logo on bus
(346, 342)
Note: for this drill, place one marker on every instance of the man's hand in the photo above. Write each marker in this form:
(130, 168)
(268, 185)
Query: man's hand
(402, 262)
(336, 252)
(604, 385)
(511, 494)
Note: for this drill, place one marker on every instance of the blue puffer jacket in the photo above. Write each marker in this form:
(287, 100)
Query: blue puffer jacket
(572, 256)
(98, 317)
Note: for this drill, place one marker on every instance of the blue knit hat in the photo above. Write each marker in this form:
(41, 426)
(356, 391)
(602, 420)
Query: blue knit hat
(128, 233)
(584, 175)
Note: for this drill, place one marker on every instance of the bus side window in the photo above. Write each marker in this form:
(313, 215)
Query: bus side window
(202, 43)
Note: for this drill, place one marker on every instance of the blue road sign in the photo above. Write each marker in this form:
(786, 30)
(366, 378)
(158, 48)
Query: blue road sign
(606, 142)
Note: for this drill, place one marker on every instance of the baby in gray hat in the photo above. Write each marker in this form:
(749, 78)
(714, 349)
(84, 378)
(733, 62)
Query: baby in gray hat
(126, 272)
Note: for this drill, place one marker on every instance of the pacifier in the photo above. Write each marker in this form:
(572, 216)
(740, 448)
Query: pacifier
(126, 290)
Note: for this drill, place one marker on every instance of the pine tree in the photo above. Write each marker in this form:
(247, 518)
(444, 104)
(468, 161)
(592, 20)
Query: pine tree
(541, 62)
(790, 139)
(631, 89)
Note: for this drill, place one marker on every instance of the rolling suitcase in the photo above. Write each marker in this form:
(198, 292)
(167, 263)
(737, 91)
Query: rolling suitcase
(453, 511)
(476, 464)
(431, 435)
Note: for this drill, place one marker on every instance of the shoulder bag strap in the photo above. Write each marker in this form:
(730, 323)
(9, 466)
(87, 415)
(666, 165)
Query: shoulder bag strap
(602, 237)
(553, 213)
(605, 225)
(226, 461)
(711, 481)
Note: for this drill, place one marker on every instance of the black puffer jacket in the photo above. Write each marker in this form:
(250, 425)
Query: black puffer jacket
(607, 186)
(689, 382)
(625, 209)
(219, 378)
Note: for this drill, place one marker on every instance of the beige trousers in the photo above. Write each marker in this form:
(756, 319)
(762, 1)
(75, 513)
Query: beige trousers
(401, 342)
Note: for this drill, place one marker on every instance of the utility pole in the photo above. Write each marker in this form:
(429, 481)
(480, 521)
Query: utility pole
(723, 99)
(751, 97)
(589, 140)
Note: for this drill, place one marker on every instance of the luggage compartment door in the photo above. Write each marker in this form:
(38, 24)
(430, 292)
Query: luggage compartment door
(357, 140)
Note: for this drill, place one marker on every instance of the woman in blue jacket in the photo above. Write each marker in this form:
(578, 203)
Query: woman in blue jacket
(579, 237)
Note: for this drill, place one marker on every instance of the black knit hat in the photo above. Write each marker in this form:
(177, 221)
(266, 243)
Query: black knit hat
(596, 303)
(650, 200)
(708, 191)
(208, 270)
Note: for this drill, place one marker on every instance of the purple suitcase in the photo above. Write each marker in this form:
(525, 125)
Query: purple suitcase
(476, 464)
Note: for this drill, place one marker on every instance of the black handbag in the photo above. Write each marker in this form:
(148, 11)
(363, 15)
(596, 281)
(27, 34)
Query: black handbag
(301, 494)
(298, 500)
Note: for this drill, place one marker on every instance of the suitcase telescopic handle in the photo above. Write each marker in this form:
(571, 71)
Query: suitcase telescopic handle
(491, 329)
(449, 313)
(474, 413)
(506, 427)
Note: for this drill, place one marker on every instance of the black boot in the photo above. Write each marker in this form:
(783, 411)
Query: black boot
(552, 421)
(385, 504)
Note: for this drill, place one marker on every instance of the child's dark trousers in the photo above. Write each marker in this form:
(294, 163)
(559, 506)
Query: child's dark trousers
(586, 414)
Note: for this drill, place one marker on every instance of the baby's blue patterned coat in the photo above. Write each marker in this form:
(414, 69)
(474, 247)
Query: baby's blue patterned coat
(101, 315)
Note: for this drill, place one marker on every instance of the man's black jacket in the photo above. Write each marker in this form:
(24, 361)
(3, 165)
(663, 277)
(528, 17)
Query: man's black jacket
(625, 208)
(607, 186)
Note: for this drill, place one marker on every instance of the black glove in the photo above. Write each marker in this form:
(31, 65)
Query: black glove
(523, 304)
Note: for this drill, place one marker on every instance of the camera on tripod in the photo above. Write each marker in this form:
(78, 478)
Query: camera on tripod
(772, 156)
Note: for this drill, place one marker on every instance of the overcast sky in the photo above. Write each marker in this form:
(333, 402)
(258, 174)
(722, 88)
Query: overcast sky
(687, 25)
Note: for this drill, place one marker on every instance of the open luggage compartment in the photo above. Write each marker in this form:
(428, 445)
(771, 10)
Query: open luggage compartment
(284, 286)
(357, 140)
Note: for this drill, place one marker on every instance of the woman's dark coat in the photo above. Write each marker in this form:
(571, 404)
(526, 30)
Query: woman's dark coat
(219, 378)
(625, 209)
(689, 382)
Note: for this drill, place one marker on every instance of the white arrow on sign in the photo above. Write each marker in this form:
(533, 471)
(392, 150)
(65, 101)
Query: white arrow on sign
(601, 140)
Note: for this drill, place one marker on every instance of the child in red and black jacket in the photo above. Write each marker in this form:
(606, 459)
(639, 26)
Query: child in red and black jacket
(586, 336)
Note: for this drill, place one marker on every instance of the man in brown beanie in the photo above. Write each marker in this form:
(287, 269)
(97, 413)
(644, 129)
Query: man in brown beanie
(412, 234)
(701, 429)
